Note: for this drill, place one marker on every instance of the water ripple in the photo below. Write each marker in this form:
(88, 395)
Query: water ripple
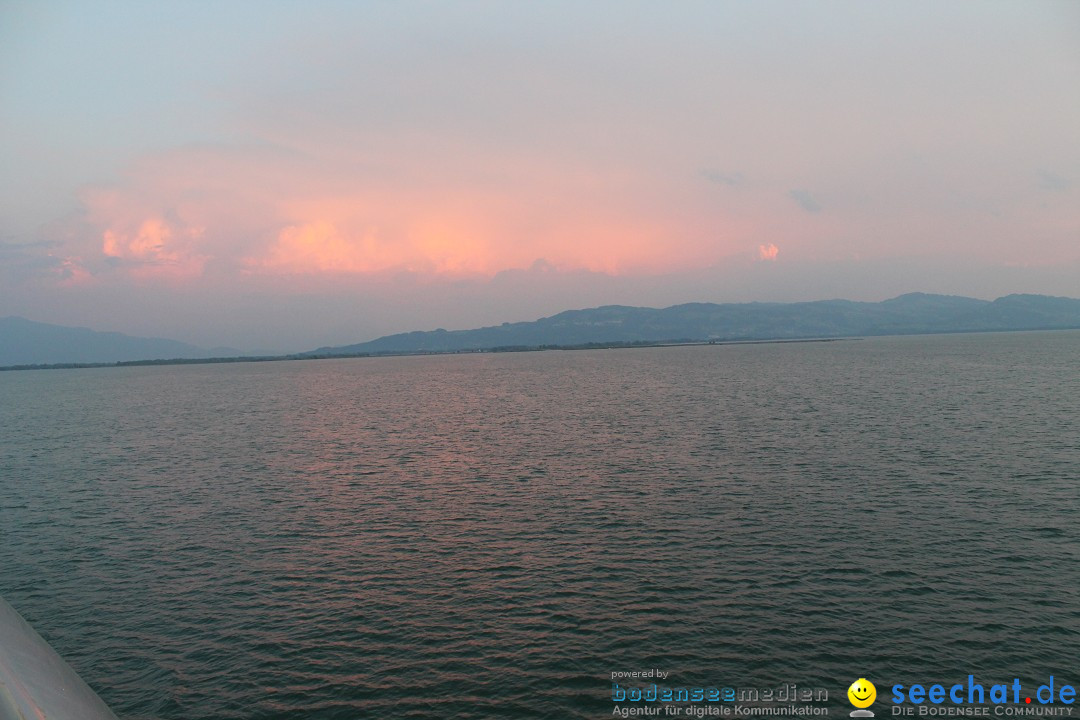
(491, 536)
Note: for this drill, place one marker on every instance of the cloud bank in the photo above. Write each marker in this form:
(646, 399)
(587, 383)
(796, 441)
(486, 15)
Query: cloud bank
(377, 167)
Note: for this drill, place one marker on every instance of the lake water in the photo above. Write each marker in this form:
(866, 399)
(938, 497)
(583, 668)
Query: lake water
(493, 535)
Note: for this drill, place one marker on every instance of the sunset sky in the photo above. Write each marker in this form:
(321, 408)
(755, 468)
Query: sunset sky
(284, 175)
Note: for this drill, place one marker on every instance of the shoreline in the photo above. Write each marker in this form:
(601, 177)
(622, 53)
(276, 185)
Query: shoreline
(620, 345)
(413, 353)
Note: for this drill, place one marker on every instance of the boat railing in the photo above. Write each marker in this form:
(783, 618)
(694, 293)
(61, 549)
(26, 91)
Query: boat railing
(35, 682)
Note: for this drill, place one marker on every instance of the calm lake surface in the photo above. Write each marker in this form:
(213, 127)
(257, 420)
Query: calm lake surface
(493, 535)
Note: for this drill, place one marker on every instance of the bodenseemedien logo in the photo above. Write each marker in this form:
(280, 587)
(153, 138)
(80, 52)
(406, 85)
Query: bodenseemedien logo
(862, 694)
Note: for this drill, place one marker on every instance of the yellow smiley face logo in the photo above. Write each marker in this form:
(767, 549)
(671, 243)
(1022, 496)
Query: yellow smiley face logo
(862, 693)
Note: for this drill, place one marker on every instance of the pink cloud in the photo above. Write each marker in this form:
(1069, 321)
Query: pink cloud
(156, 249)
(317, 247)
(768, 252)
(191, 212)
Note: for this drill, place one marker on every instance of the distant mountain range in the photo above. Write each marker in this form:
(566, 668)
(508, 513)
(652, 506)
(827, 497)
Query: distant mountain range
(25, 342)
(914, 313)
(28, 343)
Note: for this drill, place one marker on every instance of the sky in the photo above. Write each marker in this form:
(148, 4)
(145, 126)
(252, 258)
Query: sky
(279, 176)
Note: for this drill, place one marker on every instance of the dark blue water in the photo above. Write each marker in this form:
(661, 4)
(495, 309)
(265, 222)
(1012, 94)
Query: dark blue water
(491, 536)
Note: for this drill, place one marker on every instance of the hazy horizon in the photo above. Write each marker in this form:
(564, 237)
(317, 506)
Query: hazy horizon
(282, 177)
(1040, 323)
